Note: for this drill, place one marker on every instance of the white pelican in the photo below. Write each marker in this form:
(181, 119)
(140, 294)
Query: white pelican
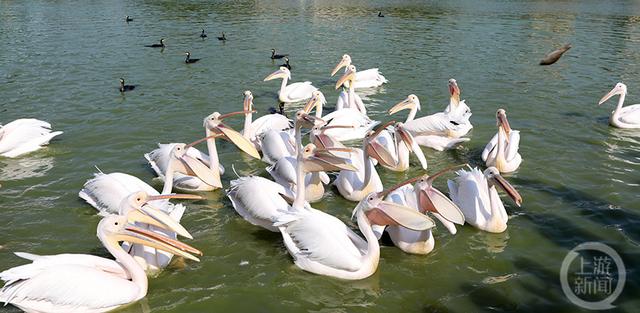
(475, 194)
(119, 193)
(399, 143)
(23, 136)
(87, 283)
(354, 124)
(199, 171)
(261, 201)
(456, 106)
(321, 244)
(253, 130)
(349, 99)
(502, 151)
(622, 117)
(364, 79)
(438, 131)
(422, 198)
(355, 185)
(295, 92)
(258, 200)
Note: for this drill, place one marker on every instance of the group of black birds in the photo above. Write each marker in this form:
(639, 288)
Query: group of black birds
(188, 60)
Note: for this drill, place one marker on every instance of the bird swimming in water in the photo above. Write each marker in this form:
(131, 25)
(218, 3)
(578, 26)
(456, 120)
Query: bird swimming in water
(555, 55)
(277, 56)
(189, 60)
(380, 14)
(223, 37)
(157, 45)
(203, 35)
(128, 19)
(286, 63)
(125, 88)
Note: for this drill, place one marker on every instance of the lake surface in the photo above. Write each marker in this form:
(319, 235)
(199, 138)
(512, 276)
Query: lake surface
(60, 61)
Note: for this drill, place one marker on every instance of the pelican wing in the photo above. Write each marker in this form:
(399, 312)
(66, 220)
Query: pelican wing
(513, 145)
(23, 136)
(435, 124)
(257, 200)
(631, 114)
(319, 239)
(490, 151)
(105, 192)
(270, 121)
(62, 288)
(299, 91)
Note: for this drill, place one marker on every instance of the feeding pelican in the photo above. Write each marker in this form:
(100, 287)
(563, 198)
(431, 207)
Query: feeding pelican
(87, 283)
(259, 201)
(294, 92)
(321, 244)
(438, 131)
(197, 171)
(253, 130)
(502, 151)
(364, 79)
(399, 143)
(422, 198)
(475, 194)
(622, 117)
(355, 124)
(349, 99)
(23, 136)
(355, 185)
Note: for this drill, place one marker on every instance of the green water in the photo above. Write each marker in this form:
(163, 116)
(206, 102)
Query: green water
(60, 61)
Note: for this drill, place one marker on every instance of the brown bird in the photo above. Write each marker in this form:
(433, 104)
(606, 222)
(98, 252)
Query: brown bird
(555, 55)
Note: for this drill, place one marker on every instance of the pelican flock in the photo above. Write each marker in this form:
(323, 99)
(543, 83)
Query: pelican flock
(140, 226)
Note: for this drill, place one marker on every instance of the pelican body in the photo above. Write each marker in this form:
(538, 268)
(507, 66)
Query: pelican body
(400, 143)
(194, 170)
(364, 79)
(295, 92)
(87, 283)
(321, 244)
(622, 117)
(502, 151)
(23, 136)
(253, 130)
(475, 194)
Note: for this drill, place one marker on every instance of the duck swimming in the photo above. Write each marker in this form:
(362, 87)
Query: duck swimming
(125, 88)
(157, 45)
(189, 60)
(277, 56)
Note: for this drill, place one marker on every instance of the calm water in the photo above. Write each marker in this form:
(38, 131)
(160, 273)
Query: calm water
(60, 61)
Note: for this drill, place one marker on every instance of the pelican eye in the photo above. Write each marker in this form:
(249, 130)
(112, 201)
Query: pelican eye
(116, 223)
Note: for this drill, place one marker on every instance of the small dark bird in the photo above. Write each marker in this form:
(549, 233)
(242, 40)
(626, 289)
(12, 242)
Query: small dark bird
(128, 19)
(125, 88)
(157, 45)
(380, 14)
(189, 60)
(286, 63)
(223, 37)
(203, 35)
(554, 56)
(277, 56)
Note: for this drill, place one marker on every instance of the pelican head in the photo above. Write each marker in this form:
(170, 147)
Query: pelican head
(380, 212)
(345, 61)
(349, 76)
(304, 120)
(137, 209)
(375, 149)
(115, 228)
(494, 178)
(454, 90)
(619, 89)
(501, 120)
(317, 159)
(282, 73)
(248, 101)
(410, 103)
(317, 100)
(214, 124)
